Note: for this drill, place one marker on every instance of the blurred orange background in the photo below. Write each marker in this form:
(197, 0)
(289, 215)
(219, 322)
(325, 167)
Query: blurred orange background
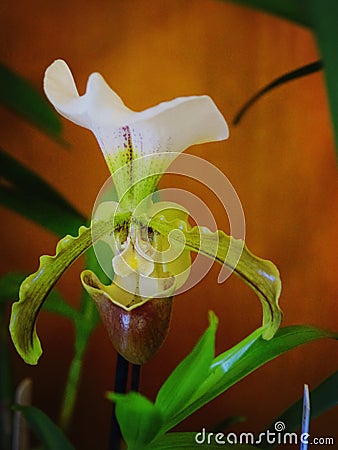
(280, 160)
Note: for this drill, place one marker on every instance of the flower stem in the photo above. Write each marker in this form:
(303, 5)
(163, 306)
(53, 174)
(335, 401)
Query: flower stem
(120, 387)
(135, 377)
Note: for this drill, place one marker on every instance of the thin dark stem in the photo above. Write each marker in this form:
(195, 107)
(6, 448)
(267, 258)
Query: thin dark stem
(297, 73)
(120, 387)
(135, 377)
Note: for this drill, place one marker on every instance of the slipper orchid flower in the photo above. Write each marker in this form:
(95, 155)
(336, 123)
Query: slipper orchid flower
(138, 148)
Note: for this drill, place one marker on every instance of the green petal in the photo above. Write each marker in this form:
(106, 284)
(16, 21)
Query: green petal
(260, 274)
(35, 289)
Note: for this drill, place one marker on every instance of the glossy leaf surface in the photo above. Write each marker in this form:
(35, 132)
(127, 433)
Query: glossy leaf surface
(225, 370)
(179, 388)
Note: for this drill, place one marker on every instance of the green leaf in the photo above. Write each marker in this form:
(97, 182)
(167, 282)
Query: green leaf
(227, 423)
(321, 16)
(56, 304)
(225, 370)
(88, 308)
(301, 72)
(35, 289)
(324, 19)
(323, 398)
(186, 441)
(178, 389)
(238, 362)
(9, 286)
(260, 274)
(26, 193)
(294, 10)
(138, 417)
(48, 433)
(87, 319)
(21, 97)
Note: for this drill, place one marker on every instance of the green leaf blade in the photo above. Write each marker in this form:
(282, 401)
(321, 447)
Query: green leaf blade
(178, 389)
(250, 354)
(21, 97)
(26, 193)
(138, 417)
(294, 10)
(324, 17)
(48, 433)
(35, 289)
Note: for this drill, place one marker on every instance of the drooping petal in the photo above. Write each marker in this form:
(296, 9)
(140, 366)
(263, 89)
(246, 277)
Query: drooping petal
(35, 288)
(260, 274)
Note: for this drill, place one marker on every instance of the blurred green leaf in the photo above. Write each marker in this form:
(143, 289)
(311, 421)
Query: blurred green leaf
(238, 362)
(26, 193)
(324, 18)
(35, 289)
(18, 95)
(87, 319)
(9, 286)
(57, 305)
(6, 384)
(47, 432)
(178, 389)
(227, 423)
(294, 10)
(88, 308)
(138, 417)
(323, 398)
